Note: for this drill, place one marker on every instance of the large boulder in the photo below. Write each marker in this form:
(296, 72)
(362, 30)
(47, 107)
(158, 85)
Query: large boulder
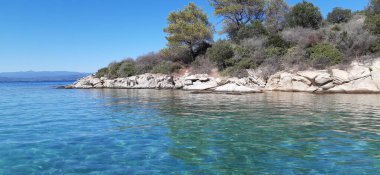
(84, 83)
(375, 64)
(285, 81)
(364, 85)
(198, 85)
(357, 72)
(232, 87)
(311, 74)
(322, 79)
(340, 76)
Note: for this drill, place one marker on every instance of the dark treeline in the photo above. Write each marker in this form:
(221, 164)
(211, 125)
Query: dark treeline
(265, 34)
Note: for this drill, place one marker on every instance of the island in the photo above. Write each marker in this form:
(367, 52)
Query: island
(269, 46)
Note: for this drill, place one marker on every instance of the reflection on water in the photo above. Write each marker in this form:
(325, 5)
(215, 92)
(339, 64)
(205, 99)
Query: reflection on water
(175, 132)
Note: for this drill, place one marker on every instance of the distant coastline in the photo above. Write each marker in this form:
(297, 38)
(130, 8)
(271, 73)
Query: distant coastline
(41, 76)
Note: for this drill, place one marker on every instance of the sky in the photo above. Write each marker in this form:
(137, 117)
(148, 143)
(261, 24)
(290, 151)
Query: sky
(85, 35)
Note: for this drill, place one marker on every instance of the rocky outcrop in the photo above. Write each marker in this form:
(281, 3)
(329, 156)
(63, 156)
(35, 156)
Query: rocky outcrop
(145, 81)
(358, 78)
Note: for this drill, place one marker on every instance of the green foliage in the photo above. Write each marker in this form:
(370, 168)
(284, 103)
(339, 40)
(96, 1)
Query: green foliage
(220, 53)
(145, 63)
(239, 69)
(113, 69)
(373, 8)
(376, 46)
(275, 15)
(339, 15)
(177, 54)
(304, 14)
(188, 27)
(373, 16)
(165, 67)
(127, 68)
(325, 54)
(275, 46)
(236, 34)
(274, 52)
(238, 14)
(254, 28)
(373, 23)
(101, 72)
(202, 65)
(277, 41)
(235, 71)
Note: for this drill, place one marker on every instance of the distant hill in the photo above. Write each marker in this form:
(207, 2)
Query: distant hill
(41, 76)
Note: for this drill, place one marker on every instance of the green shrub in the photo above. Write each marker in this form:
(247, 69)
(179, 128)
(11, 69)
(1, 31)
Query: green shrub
(324, 54)
(339, 15)
(254, 28)
(202, 65)
(373, 8)
(145, 63)
(177, 54)
(376, 46)
(220, 53)
(373, 23)
(276, 41)
(274, 51)
(127, 68)
(165, 67)
(304, 14)
(235, 71)
(113, 69)
(103, 72)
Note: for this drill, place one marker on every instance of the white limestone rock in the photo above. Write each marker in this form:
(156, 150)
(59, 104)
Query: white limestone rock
(232, 87)
(340, 76)
(201, 85)
(357, 72)
(322, 79)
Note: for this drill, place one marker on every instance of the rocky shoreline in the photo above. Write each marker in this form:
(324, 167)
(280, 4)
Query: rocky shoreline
(357, 78)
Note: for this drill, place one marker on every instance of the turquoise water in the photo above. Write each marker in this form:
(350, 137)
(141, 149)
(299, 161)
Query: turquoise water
(54, 131)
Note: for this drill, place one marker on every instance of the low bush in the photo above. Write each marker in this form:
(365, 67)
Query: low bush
(202, 65)
(127, 68)
(353, 39)
(165, 67)
(220, 53)
(302, 37)
(145, 63)
(276, 41)
(113, 69)
(324, 54)
(373, 23)
(375, 48)
(103, 72)
(270, 66)
(295, 58)
(177, 54)
(235, 71)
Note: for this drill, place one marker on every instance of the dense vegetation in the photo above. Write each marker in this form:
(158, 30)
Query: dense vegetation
(265, 34)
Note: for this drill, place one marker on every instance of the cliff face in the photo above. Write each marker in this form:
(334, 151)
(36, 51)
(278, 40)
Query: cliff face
(358, 78)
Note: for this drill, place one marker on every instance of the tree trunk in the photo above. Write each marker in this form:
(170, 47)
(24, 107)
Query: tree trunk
(192, 53)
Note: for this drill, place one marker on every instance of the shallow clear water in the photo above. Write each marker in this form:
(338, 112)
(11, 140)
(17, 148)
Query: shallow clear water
(54, 131)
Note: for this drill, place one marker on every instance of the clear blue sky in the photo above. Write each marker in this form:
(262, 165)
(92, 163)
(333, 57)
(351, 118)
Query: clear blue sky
(84, 35)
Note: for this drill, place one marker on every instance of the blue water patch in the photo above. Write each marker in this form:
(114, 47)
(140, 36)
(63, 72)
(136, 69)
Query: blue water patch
(44, 130)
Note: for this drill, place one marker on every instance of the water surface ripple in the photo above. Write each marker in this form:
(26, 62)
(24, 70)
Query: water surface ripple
(53, 131)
